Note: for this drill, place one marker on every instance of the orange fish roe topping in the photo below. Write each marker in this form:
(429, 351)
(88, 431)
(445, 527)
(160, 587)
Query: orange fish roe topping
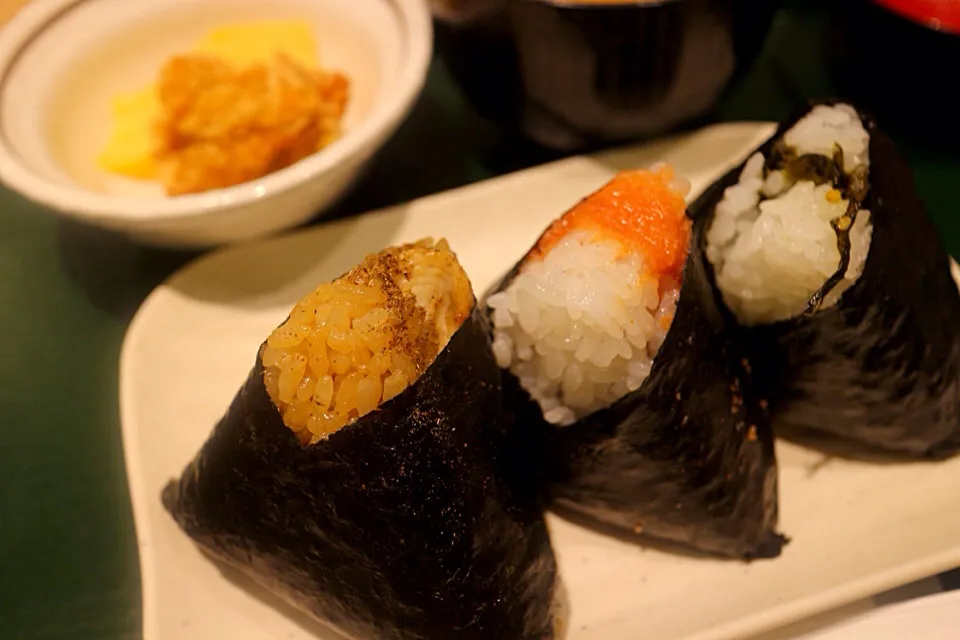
(643, 209)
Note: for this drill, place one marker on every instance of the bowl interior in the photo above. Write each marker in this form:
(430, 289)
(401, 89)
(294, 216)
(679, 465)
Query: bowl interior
(55, 110)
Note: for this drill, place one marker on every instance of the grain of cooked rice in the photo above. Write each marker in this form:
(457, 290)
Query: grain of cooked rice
(580, 323)
(771, 242)
(355, 343)
(580, 328)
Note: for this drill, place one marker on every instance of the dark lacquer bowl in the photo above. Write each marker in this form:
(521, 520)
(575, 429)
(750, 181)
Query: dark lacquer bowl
(578, 74)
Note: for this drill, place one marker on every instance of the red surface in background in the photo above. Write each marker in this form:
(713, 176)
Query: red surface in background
(941, 15)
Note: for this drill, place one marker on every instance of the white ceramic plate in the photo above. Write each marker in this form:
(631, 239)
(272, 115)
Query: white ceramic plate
(857, 528)
(934, 617)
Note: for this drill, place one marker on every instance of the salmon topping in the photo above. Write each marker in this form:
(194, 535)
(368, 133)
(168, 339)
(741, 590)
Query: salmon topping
(643, 209)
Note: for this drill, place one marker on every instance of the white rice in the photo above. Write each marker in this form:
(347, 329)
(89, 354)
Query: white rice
(824, 126)
(771, 243)
(580, 327)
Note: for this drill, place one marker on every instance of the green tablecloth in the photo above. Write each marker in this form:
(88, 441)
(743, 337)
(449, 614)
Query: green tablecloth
(68, 556)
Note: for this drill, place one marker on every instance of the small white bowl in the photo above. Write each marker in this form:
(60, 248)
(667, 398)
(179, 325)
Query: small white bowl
(63, 61)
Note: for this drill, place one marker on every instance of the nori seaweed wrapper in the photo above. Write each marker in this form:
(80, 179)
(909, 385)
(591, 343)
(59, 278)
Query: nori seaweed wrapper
(687, 458)
(880, 369)
(400, 526)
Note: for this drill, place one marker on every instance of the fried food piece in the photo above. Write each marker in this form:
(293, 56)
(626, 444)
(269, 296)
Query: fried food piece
(222, 126)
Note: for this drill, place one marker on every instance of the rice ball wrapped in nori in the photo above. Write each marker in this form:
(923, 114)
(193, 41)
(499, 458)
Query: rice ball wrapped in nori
(359, 472)
(821, 246)
(613, 342)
